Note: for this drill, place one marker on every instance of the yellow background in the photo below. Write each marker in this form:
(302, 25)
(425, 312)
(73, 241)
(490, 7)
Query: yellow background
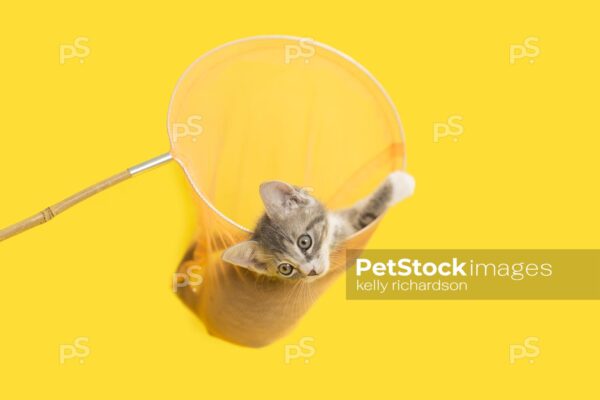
(524, 174)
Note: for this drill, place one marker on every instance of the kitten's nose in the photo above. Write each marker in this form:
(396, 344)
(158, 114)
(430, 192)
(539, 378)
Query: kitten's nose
(312, 272)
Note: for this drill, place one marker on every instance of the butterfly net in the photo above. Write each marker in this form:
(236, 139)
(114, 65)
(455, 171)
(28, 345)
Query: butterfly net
(272, 108)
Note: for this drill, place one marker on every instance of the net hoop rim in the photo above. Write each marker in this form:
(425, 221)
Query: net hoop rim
(268, 37)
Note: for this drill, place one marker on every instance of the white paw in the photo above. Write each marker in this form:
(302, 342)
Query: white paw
(403, 186)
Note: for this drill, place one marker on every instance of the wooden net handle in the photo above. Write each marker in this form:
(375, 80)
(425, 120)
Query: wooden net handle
(52, 211)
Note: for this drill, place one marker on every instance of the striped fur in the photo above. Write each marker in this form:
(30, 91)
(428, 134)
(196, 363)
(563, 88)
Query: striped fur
(291, 214)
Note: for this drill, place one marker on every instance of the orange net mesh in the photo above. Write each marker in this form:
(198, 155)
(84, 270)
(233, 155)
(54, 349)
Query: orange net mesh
(273, 108)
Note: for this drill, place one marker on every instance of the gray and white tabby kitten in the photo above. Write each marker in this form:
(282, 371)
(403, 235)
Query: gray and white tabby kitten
(295, 236)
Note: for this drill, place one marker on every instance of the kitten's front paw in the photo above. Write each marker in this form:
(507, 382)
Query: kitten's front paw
(403, 186)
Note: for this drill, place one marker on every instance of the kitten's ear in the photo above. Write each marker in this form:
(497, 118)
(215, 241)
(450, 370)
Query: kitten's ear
(244, 254)
(279, 198)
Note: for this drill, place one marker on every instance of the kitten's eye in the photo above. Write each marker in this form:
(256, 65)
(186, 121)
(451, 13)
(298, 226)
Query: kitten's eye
(285, 269)
(304, 242)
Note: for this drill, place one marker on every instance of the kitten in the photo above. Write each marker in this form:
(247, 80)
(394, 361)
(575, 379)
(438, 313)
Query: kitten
(295, 236)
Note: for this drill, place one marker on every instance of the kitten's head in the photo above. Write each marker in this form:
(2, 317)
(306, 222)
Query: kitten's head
(292, 239)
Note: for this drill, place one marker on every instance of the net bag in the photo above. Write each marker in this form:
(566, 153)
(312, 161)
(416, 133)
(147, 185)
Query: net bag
(272, 108)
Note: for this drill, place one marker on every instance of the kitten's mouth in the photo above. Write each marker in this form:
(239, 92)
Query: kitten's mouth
(314, 270)
(313, 275)
(310, 279)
